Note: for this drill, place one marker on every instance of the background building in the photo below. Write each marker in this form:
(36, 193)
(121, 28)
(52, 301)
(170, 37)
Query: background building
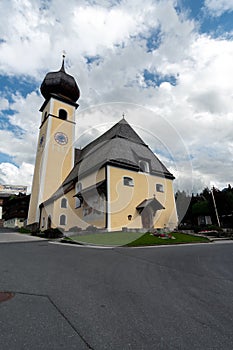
(7, 191)
(15, 210)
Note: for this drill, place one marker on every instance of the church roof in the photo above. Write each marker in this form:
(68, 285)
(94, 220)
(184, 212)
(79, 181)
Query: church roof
(120, 146)
(122, 130)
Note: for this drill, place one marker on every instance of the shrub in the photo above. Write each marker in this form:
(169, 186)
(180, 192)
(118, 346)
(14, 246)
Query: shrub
(75, 229)
(53, 233)
(24, 230)
(92, 228)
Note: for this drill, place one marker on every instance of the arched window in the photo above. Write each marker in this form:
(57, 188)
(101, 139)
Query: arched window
(144, 166)
(128, 181)
(64, 203)
(63, 220)
(78, 189)
(62, 114)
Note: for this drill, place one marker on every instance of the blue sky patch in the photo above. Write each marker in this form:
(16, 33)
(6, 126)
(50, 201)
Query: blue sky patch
(153, 40)
(6, 125)
(11, 84)
(93, 59)
(194, 7)
(5, 158)
(155, 79)
(213, 25)
(218, 26)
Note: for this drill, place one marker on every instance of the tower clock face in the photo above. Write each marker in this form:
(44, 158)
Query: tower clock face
(61, 138)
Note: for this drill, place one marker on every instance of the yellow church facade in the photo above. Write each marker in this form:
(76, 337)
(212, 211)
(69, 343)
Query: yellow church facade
(113, 183)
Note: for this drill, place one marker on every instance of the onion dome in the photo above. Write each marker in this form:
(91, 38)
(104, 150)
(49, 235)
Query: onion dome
(60, 83)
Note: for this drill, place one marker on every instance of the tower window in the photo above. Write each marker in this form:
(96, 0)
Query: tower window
(62, 114)
(64, 203)
(128, 181)
(63, 220)
(144, 166)
(159, 188)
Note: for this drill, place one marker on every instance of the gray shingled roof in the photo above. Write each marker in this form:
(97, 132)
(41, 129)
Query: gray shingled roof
(120, 146)
(122, 129)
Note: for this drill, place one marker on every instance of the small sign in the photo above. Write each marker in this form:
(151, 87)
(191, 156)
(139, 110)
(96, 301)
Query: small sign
(14, 189)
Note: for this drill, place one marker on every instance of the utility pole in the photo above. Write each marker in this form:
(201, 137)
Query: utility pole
(215, 207)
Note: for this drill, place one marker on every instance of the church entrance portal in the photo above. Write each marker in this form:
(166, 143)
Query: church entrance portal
(147, 217)
(49, 222)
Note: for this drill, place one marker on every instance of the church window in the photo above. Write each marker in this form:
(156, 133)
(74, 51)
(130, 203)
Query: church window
(144, 166)
(128, 181)
(77, 202)
(78, 189)
(64, 203)
(159, 188)
(62, 114)
(43, 222)
(63, 220)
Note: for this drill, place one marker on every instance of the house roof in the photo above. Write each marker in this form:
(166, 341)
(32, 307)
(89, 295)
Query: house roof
(119, 146)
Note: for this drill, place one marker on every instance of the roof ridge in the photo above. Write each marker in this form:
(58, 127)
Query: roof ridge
(120, 129)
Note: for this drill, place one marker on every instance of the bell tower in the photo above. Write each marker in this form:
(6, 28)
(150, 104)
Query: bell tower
(55, 149)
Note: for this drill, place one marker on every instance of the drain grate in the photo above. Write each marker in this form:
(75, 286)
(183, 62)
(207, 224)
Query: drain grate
(4, 296)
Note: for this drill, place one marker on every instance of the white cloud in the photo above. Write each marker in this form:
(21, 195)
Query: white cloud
(13, 175)
(21, 144)
(194, 117)
(4, 104)
(218, 7)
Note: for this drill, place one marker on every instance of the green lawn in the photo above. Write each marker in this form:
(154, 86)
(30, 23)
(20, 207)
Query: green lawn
(108, 238)
(147, 239)
(135, 239)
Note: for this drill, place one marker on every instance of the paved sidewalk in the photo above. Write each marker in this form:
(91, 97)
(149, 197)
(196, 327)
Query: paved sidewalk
(7, 236)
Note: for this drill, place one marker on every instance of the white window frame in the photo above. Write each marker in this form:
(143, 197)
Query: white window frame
(144, 166)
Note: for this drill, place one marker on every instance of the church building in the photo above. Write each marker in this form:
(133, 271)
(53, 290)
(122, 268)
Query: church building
(114, 182)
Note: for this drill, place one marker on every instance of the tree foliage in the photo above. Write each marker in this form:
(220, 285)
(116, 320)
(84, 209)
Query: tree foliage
(203, 205)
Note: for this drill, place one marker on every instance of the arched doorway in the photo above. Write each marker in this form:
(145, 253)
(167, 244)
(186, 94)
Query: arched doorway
(147, 217)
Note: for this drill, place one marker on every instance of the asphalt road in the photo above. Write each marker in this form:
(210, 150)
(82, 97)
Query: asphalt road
(69, 297)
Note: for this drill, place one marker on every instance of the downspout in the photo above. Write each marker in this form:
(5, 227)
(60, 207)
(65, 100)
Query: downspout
(108, 200)
(40, 208)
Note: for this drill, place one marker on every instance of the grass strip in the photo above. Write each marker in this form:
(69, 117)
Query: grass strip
(135, 239)
(148, 239)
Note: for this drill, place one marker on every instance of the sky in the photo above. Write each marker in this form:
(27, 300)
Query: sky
(166, 65)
